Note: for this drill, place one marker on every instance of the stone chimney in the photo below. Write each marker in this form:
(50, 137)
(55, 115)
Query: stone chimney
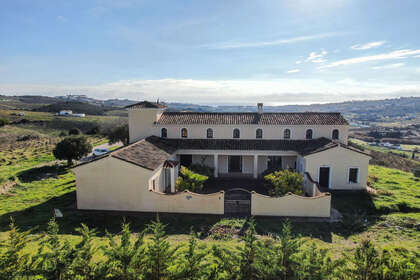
(260, 108)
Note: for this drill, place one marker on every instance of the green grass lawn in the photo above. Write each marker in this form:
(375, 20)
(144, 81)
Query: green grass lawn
(389, 217)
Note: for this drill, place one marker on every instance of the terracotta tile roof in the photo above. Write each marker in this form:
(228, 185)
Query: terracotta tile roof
(153, 151)
(146, 104)
(148, 153)
(307, 118)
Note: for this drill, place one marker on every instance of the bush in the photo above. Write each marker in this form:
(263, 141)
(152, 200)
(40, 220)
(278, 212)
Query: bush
(416, 172)
(118, 134)
(3, 122)
(75, 131)
(202, 169)
(62, 134)
(189, 180)
(70, 148)
(282, 182)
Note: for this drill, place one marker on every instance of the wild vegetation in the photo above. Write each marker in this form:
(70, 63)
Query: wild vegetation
(282, 256)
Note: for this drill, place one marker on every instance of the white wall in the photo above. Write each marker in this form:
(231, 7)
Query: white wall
(290, 206)
(113, 184)
(248, 131)
(339, 160)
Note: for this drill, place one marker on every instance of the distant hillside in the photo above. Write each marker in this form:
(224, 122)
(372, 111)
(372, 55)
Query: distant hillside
(76, 107)
(24, 102)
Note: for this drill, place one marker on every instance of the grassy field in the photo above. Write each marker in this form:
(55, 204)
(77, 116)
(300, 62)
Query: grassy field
(33, 184)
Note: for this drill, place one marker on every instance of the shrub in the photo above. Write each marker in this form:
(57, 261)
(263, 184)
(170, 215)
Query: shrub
(282, 182)
(3, 122)
(62, 134)
(117, 134)
(73, 147)
(202, 169)
(416, 172)
(189, 180)
(75, 131)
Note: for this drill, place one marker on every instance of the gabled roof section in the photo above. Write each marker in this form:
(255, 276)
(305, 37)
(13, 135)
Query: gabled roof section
(147, 105)
(149, 153)
(307, 118)
(334, 144)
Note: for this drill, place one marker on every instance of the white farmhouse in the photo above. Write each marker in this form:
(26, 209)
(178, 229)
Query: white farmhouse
(142, 175)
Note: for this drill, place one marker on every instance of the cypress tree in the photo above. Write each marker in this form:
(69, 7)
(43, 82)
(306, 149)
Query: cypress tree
(13, 262)
(125, 258)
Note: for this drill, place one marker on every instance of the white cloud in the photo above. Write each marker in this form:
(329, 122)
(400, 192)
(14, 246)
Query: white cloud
(299, 62)
(400, 54)
(368, 45)
(293, 71)
(317, 57)
(417, 55)
(278, 91)
(237, 45)
(61, 19)
(388, 66)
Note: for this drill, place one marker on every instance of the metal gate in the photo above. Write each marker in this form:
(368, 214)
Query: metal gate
(238, 202)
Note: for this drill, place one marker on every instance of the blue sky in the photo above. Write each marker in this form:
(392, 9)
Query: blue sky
(212, 52)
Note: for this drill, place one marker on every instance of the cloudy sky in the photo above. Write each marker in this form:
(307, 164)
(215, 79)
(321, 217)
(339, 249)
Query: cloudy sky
(212, 52)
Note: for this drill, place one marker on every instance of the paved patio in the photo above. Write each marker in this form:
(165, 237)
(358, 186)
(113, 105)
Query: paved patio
(219, 184)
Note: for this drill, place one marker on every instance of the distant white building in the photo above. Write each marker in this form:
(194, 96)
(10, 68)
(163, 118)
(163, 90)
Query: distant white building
(65, 113)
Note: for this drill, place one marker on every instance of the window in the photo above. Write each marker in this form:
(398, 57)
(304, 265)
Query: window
(259, 133)
(209, 133)
(286, 134)
(353, 175)
(335, 134)
(163, 133)
(309, 134)
(184, 133)
(236, 133)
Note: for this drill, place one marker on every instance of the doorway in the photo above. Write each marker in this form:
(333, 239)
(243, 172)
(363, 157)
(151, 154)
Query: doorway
(185, 160)
(235, 164)
(324, 176)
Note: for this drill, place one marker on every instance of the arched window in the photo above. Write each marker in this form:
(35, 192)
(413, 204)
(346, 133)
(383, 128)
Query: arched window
(236, 133)
(335, 134)
(184, 133)
(163, 133)
(259, 133)
(309, 134)
(209, 133)
(286, 134)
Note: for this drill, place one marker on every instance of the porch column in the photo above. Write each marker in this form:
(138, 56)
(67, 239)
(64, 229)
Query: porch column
(216, 165)
(173, 180)
(255, 166)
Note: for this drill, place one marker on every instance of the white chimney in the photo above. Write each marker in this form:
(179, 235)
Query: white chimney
(260, 108)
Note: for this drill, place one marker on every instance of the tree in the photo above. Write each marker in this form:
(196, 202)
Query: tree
(70, 148)
(75, 131)
(282, 182)
(192, 264)
(126, 260)
(13, 262)
(54, 256)
(248, 254)
(83, 266)
(189, 180)
(118, 134)
(364, 263)
(3, 122)
(159, 253)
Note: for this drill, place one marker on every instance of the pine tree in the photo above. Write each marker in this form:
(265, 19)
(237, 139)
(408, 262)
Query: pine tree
(192, 261)
(125, 259)
(314, 264)
(224, 264)
(278, 260)
(13, 262)
(159, 253)
(83, 266)
(248, 253)
(364, 263)
(54, 256)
